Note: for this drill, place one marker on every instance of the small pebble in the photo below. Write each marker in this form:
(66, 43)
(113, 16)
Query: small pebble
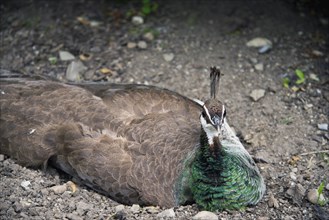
(25, 184)
(257, 94)
(73, 216)
(95, 23)
(168, 213)
(263, 218)
(253, 60)
(168, 57)
(259, 67)
(151, 209)
(131, 45)
(25, 204)
(44, 192)
(314, 197)
(148, 36)
(83, 207)
(119, 208)
(74, 70)
(60, 189)
(265, 49)
(135, 208)
(65, 56)
(323, 127)
(142, 45)
(205, 215)
(317, 53)
(259, 42)
(327, 186)
(297, 193)
(2, 157)
(138, 20)
(293, 176)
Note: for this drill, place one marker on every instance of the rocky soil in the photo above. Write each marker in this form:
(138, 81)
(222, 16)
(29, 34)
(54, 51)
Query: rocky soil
(173, 47)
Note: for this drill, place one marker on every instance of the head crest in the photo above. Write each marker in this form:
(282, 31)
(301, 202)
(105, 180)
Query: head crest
(214, 81)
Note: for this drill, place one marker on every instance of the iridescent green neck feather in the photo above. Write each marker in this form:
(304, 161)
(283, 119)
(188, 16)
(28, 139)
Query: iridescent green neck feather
(221, 177)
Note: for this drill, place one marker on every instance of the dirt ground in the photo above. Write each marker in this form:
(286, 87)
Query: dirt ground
(285, 127)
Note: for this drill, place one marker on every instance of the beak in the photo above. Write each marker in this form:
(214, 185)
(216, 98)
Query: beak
(217, 122)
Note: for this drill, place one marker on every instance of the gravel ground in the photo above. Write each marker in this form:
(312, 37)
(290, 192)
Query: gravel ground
(285, 127)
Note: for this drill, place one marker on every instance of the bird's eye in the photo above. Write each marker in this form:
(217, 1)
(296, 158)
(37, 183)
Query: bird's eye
(224, 115)
(203, 114)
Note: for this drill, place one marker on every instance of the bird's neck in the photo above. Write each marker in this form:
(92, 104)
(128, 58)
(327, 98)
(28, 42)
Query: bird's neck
(222, 178)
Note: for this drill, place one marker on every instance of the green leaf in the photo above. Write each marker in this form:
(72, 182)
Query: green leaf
(52, 60)
(146, 10)
(300, 75)
(320, 190)
(286, 82)
(321, 187)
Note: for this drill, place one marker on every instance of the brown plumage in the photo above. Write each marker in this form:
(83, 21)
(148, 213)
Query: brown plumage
(134, 143)
(118, 139)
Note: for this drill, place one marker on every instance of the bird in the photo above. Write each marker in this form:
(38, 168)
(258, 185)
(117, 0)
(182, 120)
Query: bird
(137, 144)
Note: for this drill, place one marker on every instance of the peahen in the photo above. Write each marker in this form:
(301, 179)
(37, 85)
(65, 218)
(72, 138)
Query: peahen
(136, 144)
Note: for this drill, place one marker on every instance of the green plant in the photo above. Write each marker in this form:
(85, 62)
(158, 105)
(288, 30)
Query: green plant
(286, 81)
(52, 60)
(301, 77)
(148, 7)
(321, 202)
(145, 7)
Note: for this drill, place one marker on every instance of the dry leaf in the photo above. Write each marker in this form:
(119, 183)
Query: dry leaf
(293, 160)
(72, 186)
(83, 20)
(273, 202)
(295, 88)
(310, 162)
(85, 57)
(105, 70)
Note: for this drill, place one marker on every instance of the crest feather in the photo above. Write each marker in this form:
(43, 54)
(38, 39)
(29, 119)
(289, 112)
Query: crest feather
(214, 81)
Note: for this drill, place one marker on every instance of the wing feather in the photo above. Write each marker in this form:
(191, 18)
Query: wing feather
(128, 142)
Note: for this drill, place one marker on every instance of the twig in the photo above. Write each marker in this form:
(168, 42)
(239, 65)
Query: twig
(314, 152)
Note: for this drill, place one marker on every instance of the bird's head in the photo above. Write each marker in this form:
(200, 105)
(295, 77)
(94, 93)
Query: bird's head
(213, 114)
(212, 119)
